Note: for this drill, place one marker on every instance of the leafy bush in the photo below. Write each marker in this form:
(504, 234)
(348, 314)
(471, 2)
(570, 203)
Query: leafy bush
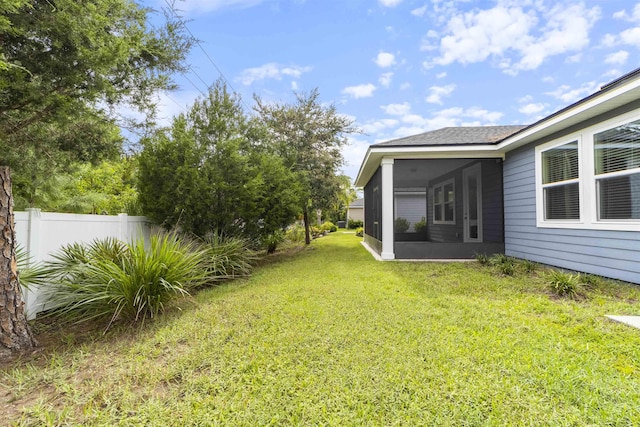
(271, 241)
(328, 226)
(401, 225)
(29, 272)
(528, 266)
(421, 226)
(504, 264)
(227, 257)
(563, 284)
(360, 232)
(123, 281)
(315, 231)
(482, 258)
(355, 223)
(295, 234)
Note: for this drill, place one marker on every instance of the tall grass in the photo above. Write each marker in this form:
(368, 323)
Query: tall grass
(228, 257)
(123, 281)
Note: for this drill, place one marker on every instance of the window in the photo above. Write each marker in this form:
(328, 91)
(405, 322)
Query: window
(444, 203)
(617, 172)
(590, 179)
(561, 182)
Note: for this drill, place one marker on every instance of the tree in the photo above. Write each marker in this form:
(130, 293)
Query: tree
(346, 195)
(210, 172)
(66, 68)
(309, 137)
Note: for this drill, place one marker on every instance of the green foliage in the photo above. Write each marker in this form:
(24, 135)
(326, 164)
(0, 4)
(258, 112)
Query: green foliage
(123, 281)
(67, 68)
(316, 231)
(295, 234)
(528, 266)
(207, 172)
(309, 136)
(421, 226)
(355, 223)
(29, 272)
(359, 231)
(227, 257)
(401, 225)
(482, 258)
(273, 240)
(505, 265)
(563, 284)
(329, 227)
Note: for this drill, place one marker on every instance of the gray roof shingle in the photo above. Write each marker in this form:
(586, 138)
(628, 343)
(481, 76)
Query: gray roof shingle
(455, 136)
(357, 203)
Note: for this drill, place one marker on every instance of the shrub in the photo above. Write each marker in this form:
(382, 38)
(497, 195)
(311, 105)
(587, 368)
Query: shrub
(227, 257)
(401, 225)
(563, 284)
(482, 258)
(328, 226)
(504, 264)
(315, 231)
(30, 273)
(355, 223)
(528, 266)
(123, 281)
(360, 232)
(421, 226)
(271, 241)
(295, 234)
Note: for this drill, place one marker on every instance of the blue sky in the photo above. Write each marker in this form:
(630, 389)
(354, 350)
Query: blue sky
(402, 67)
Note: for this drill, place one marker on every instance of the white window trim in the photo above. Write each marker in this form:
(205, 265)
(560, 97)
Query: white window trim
(587, 180)
(433, 202)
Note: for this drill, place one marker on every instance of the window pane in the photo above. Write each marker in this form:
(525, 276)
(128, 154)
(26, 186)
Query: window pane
(448, 212)
(562, 202)
(448, 193)
(618, 149)
(619, 198)
(437, 213)
(560, 163)
(437, 195)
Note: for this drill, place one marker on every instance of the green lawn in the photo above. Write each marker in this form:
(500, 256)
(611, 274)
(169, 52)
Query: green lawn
(332, 337)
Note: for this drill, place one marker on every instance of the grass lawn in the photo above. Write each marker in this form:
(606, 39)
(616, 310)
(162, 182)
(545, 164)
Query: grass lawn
(332, 337)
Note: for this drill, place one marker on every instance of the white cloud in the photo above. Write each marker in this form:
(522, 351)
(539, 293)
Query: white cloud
(634, 16)
(171, 104)
(438, 92)
(532, 108)
(419, 12)
(405, 86)
(294, 85)
(270, 71)
(574, 59)
(360, 91)
(441, 75)
(631, 36)
(377, 126)
(532, 34)
(397, 109)
(385, 59)
(389, 3)
(609, 40)
(567, 94)
(385, 79)
(617, 58)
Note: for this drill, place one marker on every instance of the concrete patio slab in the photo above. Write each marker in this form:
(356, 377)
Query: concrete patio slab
(633, 321)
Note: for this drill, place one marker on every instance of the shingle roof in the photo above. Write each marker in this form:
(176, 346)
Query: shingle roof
(455, 136)
(357, 203)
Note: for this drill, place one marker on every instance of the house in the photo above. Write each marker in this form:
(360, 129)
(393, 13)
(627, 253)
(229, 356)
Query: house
(563, 191)
(355, 211)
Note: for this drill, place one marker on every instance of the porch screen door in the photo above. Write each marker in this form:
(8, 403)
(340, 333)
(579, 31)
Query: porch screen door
(472, 203)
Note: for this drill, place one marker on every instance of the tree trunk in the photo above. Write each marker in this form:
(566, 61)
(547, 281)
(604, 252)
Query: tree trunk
(15, 334)
(305, 216)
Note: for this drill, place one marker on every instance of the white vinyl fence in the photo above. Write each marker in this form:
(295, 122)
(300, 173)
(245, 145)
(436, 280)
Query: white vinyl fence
(41, 233)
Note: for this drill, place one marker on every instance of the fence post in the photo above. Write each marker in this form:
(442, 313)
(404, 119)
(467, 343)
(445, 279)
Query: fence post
(123, 233)
(30, 296)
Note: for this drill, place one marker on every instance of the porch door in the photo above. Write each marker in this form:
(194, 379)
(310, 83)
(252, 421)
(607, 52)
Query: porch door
(472, 203)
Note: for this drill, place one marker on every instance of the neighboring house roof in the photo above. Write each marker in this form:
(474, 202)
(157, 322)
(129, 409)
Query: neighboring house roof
(357, 203)
(619, 92)
(455, 136)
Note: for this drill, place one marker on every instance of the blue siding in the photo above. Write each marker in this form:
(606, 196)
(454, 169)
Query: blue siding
(613, 254)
